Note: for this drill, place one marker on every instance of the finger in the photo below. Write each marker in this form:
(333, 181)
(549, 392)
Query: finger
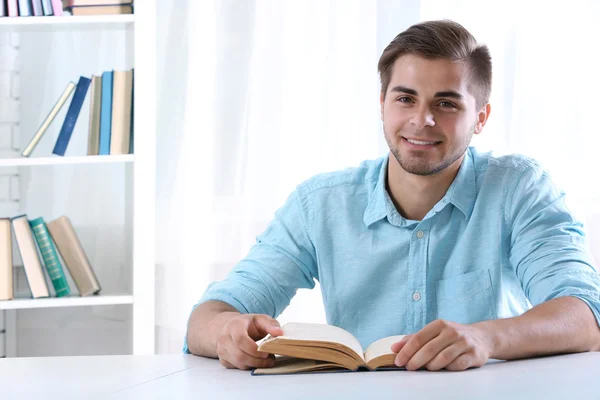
(396, 347)
(243, 361)
(445, 357)
(264, 324)
(243, 342)
(417, 341)
(428, 352)
(461, 363)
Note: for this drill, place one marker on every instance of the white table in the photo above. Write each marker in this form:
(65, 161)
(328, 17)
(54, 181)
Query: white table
(575, 376)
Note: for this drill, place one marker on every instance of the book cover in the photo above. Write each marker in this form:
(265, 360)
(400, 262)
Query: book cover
(24, 8)
(106, 112)
(101, 10)
(71, 118)
(29, 255)
(13, 8)
(95, 103)
(6, 261)
(70, 249)
(322, 348)
(47, 7)
(57, 7)
(132, 110)
(50, 256)
(121, 112)
(37, 8)
(79, 3)
(42, 129)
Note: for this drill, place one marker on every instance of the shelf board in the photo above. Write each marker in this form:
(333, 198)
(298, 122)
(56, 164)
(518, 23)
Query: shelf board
(65, 21)
(57, 160)
(71, 301)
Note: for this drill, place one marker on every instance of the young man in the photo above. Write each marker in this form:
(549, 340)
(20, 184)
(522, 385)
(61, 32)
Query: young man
(473, 256)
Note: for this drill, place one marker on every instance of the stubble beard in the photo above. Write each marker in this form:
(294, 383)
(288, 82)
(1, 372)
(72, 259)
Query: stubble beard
(418, 165)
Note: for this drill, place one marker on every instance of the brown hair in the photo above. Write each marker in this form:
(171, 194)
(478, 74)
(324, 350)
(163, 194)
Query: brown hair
(442, 39)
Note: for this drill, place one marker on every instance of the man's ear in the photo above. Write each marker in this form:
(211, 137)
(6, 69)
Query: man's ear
(482, 118)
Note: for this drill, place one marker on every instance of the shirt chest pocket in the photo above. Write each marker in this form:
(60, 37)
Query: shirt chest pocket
(466, 298)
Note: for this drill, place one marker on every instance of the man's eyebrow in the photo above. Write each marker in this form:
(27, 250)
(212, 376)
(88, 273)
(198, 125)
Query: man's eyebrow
(447, 93)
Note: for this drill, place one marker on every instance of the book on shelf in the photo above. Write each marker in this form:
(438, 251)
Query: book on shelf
(306, 347)
(13, 8)
(57, 7)
(25, 8)
(70, 249)
(6, 266)
(84, 3)
(3, 10)
(31, 261)
(50, 257)
(36, 6)
(106, 112)
(44, 127)
(101, 10)
(121, 112)
(71, 118)
(47, 7)
(94, 127)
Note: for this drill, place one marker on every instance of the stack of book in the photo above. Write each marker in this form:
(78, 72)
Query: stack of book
(111, 115)
(99, 7)
(40, 8)
(30, 8)
(51, 239)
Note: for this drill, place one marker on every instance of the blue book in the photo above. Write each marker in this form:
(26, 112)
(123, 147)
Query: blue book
(67, 129)
(25, 8)
(106, 112)
(47, 7)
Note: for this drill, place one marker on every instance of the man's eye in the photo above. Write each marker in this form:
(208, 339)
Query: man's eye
(446, 104)
(404, 99)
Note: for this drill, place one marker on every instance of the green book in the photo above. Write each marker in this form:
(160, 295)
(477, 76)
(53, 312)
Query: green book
(50, 256)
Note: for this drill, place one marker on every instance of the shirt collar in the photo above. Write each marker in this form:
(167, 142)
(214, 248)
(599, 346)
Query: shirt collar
(461, 194)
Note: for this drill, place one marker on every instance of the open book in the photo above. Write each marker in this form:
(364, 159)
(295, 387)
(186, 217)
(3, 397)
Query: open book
(322, 348)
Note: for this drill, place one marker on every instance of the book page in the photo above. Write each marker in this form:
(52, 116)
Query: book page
(381, 347)
(321, 332)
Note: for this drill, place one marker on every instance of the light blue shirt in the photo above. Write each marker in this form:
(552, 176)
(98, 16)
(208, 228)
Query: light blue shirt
(500, 241)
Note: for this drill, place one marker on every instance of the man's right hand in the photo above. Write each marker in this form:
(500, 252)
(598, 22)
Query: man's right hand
(236, 345)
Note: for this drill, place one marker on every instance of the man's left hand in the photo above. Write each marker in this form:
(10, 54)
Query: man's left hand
(444, 344)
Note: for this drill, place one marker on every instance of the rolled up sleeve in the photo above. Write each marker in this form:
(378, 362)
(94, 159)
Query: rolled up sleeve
(281, 261)
(548, 247)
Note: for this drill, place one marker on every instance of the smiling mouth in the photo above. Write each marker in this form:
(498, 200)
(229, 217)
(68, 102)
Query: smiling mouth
(421, 143)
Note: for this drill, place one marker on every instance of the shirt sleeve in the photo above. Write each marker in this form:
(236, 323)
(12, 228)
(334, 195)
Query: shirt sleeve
(281, 261)
(548, 247)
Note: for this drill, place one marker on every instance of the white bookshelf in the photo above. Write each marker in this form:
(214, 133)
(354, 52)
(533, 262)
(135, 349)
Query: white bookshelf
(139, 169)
(70, 301)
(34, 161)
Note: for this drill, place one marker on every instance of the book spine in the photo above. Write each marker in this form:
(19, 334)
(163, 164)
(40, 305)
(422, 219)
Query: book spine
(94, 130)
(37, 8)
(57, 7)
(24, 8)
(121, 113)
(29, 255)
(3, 11)
(51, 260)
(73, 255)
(106, 112)
(67, 129)
(40, 132)
(6, 266)
(13, 8)
(47, 6)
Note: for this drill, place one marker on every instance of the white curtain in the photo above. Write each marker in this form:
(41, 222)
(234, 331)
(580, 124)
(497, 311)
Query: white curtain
(256, 96)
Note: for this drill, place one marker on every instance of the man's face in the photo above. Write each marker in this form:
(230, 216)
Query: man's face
(428, 114)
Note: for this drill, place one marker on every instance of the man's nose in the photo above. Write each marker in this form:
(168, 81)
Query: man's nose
(422, 117)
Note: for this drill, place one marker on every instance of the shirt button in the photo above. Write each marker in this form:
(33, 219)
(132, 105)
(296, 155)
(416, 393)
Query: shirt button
(416, 296)
(420, 234)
